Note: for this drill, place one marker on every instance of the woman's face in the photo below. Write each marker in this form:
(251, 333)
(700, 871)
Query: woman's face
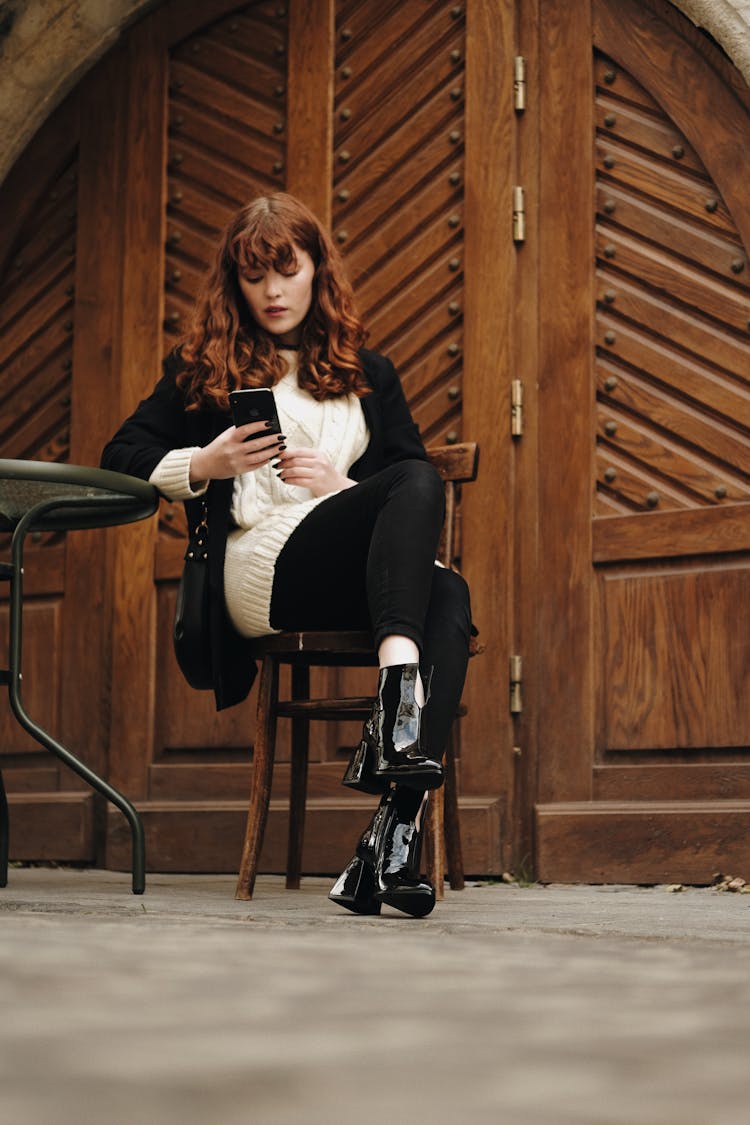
(280, 302)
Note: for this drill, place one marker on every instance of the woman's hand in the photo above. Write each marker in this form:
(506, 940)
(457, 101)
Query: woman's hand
(311, 468)
(230, 454)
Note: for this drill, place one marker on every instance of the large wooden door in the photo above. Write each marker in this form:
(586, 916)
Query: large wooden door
(643, 642)
(359, 109)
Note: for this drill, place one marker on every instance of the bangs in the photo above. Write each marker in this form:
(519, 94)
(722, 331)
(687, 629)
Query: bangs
(264, 249)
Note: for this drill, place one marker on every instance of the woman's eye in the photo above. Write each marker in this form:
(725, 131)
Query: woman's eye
(254, 279)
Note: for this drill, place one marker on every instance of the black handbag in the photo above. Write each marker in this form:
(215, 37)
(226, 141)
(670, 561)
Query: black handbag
(191, 635)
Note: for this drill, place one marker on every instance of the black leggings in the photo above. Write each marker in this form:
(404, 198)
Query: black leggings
(364, 559)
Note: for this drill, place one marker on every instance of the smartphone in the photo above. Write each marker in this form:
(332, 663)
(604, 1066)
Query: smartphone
(255, 404)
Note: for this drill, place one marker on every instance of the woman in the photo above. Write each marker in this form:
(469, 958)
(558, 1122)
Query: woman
(332, 524)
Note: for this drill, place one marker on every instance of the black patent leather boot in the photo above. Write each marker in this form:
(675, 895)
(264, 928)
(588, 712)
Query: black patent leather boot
(359, 773)
(398, 850)
(396, 728)
(355, 887)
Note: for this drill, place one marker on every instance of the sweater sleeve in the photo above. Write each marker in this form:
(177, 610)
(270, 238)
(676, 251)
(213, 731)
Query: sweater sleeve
(172, 476)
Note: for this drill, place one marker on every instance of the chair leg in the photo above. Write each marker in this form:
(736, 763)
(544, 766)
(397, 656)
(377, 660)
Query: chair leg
(298, 782)
(452, 824)
(260, 794)
(434, 841)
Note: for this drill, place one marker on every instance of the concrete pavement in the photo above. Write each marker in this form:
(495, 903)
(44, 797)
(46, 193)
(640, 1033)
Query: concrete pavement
(526, 1006)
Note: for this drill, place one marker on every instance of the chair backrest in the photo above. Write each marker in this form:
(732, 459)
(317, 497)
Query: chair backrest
(456, 464)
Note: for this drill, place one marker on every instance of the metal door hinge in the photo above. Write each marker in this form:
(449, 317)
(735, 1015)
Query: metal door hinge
(516, 408)
(519, 83)
(516, 680)
(519, 215)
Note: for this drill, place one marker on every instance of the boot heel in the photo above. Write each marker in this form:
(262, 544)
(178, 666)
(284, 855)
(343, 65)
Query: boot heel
(359, 773)
(354, 888)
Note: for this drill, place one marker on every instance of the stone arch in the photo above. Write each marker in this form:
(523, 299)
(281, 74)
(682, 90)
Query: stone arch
(47, 45)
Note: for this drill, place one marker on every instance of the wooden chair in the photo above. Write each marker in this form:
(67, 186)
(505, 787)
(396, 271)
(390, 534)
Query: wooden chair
(456, 464)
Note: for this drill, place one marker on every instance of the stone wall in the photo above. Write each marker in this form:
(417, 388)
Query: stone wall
(46, 45)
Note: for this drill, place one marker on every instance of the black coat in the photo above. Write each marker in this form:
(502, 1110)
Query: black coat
(161, 423)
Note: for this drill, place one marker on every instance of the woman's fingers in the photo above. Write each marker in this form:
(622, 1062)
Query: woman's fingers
(253, 428)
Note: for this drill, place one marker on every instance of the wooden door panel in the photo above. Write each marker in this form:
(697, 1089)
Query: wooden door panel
(669, 537)
(675, 667)
(41, 687)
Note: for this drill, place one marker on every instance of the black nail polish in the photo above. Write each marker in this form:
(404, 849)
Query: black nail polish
(281, 437)
(269, 425)
(275, 464)
(281, 447)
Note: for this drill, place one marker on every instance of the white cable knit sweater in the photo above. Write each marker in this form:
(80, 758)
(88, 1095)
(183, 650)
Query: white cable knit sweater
(265, 509)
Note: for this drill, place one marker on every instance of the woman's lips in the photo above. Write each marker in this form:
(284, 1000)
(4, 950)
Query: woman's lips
(275, 310)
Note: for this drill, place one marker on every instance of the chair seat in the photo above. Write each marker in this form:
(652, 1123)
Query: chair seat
(319, 648)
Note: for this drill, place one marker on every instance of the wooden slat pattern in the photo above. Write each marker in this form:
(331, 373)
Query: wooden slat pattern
(398, 191)
(226, 115)
(36, 324)
(672, 315)
(227, 143)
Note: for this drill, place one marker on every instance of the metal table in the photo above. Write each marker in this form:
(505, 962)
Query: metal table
(44, 496)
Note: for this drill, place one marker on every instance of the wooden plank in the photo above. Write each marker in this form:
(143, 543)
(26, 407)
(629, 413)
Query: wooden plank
(628, 487)
(659, 183)
(680, 375)
(133, 625)
(671, 534)
(564, 622)
(642, 842)
(47, 155)
(51, 826)
(665, 226)
(486, 732)
(658, 134)
(236, 153)
(232, 107)
(44, 572)
(384, 285)
(373, 32)
(86, 636)
(310, 105)
(675, 462)
(440, 281)
(423, 63)
(207, 836)
(688, 90)
(696, 333)
(667, 275)
(696, 781)
(664, 410)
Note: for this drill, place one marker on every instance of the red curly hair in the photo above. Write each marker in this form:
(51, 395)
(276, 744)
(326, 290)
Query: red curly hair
(224, 349)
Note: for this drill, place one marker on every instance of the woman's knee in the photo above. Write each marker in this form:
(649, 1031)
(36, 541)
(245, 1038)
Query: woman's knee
(422, 481)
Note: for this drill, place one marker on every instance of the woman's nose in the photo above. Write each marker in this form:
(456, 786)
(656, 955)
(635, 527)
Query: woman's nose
(273, 285)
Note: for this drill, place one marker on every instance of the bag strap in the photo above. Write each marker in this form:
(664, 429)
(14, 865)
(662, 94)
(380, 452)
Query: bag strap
(197, 547)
